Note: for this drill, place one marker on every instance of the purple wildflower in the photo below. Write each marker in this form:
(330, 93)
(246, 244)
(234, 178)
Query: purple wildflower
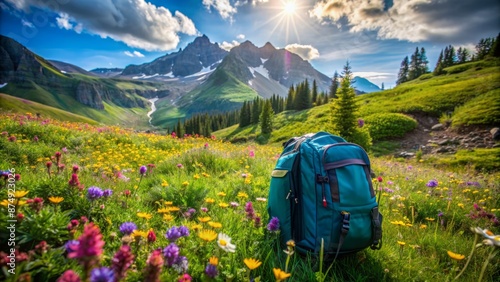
(171, 252)
(102, 274)
(274, 224)
(181, 264)
(106, 193)
(249, 210)
(143, 170)
(71, 246)
(173, 234)
(432, 183)
(361, 122)
(127, 228)
(184, 231)
(121, 262)
(94, 193)
(211, 271)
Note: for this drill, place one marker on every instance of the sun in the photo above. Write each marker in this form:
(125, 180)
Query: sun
(289, 8)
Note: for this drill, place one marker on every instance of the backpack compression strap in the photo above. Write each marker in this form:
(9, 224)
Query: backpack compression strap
(377, 229)
(346, 217)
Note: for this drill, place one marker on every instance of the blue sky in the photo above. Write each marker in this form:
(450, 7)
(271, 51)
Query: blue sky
(373, 35)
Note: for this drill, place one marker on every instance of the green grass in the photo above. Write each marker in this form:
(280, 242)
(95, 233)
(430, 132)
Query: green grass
(420, 223)
(18, 105)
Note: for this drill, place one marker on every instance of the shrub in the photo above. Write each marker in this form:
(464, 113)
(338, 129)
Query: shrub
(389, 125)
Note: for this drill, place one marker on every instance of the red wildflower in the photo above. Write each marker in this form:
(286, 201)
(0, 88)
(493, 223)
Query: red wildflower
(153, 267)
(122, 260)
(69, 276)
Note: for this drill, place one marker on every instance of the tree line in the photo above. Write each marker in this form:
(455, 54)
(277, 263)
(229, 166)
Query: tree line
(418, 64)
(204, 124)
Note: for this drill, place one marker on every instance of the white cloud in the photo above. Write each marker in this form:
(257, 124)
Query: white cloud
(134, 54)
(373, 75)
(228, 45)
(63, 21)
(240, 36)
(306, 52)
(223, 7)
(412, 20)
(137, 23)
(27, 23)
(138, 54)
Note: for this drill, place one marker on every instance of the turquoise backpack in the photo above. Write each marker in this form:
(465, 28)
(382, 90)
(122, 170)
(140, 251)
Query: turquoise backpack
(321, 188)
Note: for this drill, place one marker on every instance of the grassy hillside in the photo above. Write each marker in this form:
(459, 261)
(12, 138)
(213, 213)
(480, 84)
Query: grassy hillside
(17, 105)
(467, 95)
(125, 195)
(220, 93)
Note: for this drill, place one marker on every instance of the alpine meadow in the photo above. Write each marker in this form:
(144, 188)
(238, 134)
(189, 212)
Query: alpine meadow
(150, 141)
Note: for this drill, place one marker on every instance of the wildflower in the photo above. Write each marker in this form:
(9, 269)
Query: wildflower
(455, 256)
(223, 205)
(173, 234)
(138, 235)
(234, 204)
(102, 274)
(180, 166)
(153, 267)
(145, 215)
(121, 261)
(242, 195)
(429, 219)
(184, 231)
(249, 210)
(185, 278)
(252, 263)
(126, 193)
(143, 170)
(164, 183)
(69, 276)
(280, 275)
(56, 200)
(106, 193)
(274, 224)
(19, 194)
(36, 204)
(89, 248)
(221, 194)
(224, 243)
(379, 179)
(402, 244)
(290, 248)
(168, 217)
(207, 235)
(209, 201)
(211, 271)
(251, 154)
(185, 184)
(181, 264)
(215, 224)
(74, 180)
(171, 252)
(432, 183)
(35, 139)
(127, 228)
(151, 236)
(94, 193)
(213, 261)
(75, 169)
(257, 222)
(361, 122)
(261, 199)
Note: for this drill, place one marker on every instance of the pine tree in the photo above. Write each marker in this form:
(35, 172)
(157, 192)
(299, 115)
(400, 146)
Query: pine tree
(484, 47)
(314, 94)
(439, 65)
(495, 49)
(290, 98)
(266, 118)
(245, 117)
(462, 55)
(256, 109)
(344, 108)
(180, 129)
(302, 99)
(423, 62)
(450, 57)
(403, 71)
(414, 71)
(382, 87)
(334, 86)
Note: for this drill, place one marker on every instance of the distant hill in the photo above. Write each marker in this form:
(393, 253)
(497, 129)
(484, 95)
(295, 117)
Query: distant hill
(69, 68)
(106, 72)
(31, 77)
(364, 85)
(467, 95)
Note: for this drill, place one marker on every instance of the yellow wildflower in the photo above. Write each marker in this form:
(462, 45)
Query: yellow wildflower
(242, 195)
(221, 194)
(280, 275)
(209, 201)
(185, 183)
(455, 256)
(145, 215)
(213, 261)
(20, 194)
(252, 263)
(223, 205)
(401, 243)
(204, 219)
(168, 217)
(215, 224)
(207, 235)
(56, 200)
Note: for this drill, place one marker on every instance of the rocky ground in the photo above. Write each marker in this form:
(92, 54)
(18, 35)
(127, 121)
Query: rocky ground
(433, 137)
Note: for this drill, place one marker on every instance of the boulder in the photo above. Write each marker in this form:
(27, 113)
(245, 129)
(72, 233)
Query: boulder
(495, 133)
(437, 127)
